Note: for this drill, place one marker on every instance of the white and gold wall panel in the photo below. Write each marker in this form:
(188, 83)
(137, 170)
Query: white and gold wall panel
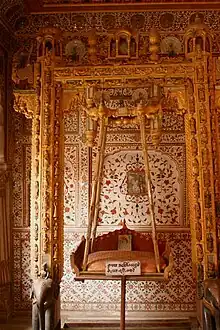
(123, 149)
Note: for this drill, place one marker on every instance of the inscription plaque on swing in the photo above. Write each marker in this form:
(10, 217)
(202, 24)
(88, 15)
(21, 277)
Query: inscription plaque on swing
(122, 268)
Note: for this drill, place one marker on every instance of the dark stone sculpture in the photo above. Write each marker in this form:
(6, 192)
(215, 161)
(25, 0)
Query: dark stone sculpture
(44, 294)
(211, 304)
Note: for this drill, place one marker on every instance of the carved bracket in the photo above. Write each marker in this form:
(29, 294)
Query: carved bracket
(25, 104)
(175, 100)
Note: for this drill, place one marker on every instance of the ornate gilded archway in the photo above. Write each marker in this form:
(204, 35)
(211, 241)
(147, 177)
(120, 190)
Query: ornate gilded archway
(191, 88)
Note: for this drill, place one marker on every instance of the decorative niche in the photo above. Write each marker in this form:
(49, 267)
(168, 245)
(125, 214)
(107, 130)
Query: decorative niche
(123, 44)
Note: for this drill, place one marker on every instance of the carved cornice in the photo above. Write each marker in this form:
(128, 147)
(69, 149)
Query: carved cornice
(174, 70)
(25, 103)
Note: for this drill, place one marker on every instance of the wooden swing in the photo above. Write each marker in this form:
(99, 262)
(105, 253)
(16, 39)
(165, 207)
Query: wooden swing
(89, 259)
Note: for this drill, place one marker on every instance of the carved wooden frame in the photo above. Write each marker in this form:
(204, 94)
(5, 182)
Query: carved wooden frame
(189, 82)
(185, 82)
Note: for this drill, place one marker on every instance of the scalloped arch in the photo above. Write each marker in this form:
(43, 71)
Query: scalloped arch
(11, 11)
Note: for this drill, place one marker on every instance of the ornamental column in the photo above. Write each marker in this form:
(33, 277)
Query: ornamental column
(198, 48)
(215, 107)
(47, 164)
(4, 221)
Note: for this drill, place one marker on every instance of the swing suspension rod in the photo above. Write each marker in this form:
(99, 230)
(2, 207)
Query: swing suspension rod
(142, 120)
(96, 187)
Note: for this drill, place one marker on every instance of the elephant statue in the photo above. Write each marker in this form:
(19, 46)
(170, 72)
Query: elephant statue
(211, 305)
(44, 294)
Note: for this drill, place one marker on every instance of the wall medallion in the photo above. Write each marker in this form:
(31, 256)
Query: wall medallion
(79, 22)
(193, 17)
(166, 20)
(108, 21)
(137, 21)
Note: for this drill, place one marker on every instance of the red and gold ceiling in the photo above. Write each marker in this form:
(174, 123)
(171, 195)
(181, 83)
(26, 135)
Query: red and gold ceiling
(53, 6)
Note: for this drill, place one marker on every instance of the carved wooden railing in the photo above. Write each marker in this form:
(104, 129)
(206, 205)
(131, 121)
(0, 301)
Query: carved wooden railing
(5, 290)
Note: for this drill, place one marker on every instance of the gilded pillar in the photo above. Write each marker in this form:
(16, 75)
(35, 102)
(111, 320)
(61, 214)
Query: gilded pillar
(206, 174)
(192, 192)
(47, 166)
(4, 213)
(5, 232)
(198, 44)
(2, 103)
(215, 113)
(215, 133)
(47, 160)
(47, 156)
(35, 177)
(5, 192)
(2, 129)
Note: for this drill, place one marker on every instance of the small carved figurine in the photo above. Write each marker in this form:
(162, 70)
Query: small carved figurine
(198, 231)
(194, 146)
(44, 294)
(210, 244)
(199, 252)
(197, 211)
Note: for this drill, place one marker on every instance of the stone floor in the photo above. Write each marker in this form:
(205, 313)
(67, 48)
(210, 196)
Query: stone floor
(25, 324)
(77, 322)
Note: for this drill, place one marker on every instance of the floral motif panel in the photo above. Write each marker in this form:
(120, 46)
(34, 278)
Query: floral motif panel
(21, 212)
(17, 172)
(124, 193)
(22, 270)
(177, 295)
(70, 183)
(71, 123)
(26, 184)
(83, 186)
(21, 170)
(76, 171)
